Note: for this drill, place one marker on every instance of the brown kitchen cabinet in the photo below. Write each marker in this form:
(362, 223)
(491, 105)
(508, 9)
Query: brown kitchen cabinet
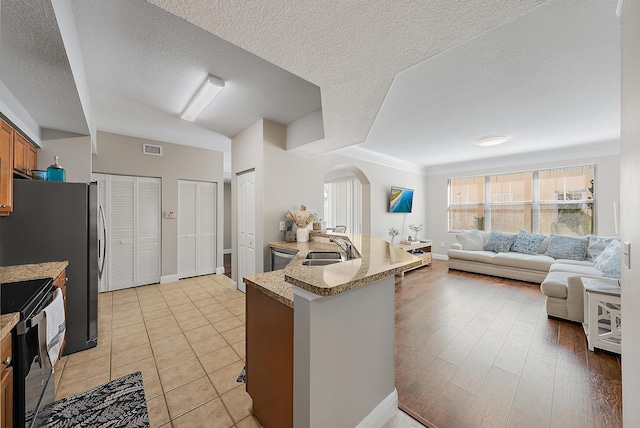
(269, 333)
(61, 282)
(6, 168)
(25, 156)
(6, 385)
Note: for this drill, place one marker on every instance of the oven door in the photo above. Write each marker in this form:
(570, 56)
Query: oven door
(35, 372)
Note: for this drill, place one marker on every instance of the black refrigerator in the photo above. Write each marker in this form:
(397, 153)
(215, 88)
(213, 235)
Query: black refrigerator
(56, 221)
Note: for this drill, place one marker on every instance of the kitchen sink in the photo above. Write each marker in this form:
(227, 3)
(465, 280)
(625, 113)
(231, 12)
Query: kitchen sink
(322, 258)
(319, 262)
(324, 255)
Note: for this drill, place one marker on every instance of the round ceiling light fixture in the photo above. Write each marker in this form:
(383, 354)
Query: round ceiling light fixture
(493, 140)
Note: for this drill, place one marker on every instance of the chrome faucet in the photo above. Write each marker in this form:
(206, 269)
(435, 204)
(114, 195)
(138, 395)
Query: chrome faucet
(344, 245)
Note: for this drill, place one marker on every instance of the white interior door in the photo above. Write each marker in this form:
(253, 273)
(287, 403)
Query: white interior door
(121, 231)
(206, 230)
(147, 262)
(131, 208)
(246, 191)
(187, 249)
(197, 227)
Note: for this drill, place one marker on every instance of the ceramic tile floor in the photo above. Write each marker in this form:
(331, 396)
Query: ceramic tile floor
(187, 339)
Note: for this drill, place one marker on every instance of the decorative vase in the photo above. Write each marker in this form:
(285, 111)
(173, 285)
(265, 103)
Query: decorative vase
(393, 240)
(290, 236)
(415, 237)
(302, 234)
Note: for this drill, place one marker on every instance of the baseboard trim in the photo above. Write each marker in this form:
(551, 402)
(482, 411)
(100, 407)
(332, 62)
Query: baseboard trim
(440, 256)
(220, 270)
(169, 278)
(382, 413)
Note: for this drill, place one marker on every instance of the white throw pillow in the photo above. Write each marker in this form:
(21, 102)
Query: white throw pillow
(471, 240)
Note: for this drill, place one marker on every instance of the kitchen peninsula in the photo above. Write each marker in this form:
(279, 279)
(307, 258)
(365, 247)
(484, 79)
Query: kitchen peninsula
(320, 339)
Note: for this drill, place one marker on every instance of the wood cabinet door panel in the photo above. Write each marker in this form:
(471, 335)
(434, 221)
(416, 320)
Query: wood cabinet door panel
(19, 153)
(32, 159)
(6, 386)
(6, 168)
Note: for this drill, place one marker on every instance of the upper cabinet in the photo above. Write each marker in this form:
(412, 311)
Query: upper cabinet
(17, 157)
(6, 168)
(25, 156)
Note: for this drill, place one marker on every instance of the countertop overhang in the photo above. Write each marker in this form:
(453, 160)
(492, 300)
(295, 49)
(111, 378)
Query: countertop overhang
(378, 259)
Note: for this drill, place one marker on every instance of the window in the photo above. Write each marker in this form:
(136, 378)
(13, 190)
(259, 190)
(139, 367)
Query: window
(559, 200)
(343, 204)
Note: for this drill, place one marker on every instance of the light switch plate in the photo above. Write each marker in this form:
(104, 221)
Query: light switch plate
(282, 226)
(169, 214)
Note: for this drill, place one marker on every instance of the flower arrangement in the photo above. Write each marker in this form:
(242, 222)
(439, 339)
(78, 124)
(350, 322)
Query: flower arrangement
(416, 227)
(300, 216)
(393, 232)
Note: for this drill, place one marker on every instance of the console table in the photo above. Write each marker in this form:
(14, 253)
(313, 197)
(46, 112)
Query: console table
(602, 314)
(421, 250)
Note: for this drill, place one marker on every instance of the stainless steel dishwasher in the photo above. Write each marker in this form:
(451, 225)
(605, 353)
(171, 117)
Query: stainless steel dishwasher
(280, 258)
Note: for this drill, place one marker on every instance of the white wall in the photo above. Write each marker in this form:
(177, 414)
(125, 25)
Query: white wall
(629, 209)
(287, 178)
(607, 191)
(120, 154)
(74, 154)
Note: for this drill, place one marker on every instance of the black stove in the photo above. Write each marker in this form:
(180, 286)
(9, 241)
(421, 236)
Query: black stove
(33, 383)
(23, 296)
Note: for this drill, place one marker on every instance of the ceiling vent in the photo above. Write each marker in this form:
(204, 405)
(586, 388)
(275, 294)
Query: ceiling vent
(150, 149)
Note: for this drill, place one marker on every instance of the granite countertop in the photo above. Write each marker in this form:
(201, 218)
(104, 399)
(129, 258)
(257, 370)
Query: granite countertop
(7, 322)
(26, 273)
(377, 259)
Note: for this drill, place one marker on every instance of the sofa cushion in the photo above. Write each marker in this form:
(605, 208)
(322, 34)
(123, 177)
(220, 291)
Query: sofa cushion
(470, 240)
(567, 247)
(524, 261)
(597, 244)
(555, 284)
(576, 269)
(527, 243)
(499, 242)
(609, 260)
(544, 245)
(473, 256)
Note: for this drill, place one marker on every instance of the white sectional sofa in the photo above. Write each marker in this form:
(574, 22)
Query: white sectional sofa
(540, 260)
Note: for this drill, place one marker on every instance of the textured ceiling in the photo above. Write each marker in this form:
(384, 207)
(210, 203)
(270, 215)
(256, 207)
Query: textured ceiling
(408, 83)
(351, 49)
(34, 65)
(144, 64)
(549, 78)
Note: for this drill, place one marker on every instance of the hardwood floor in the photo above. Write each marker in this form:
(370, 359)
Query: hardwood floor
(479, 351)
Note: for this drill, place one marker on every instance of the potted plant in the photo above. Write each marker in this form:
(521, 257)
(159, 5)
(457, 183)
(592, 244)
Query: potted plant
(415, 228)
(302, 218)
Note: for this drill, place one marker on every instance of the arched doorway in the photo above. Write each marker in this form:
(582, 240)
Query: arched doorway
(347, 199)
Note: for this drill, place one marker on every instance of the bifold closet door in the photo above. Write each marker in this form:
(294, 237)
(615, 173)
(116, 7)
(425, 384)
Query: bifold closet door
(131, 207)
(148, 195)
(196, 228)
(121, 227)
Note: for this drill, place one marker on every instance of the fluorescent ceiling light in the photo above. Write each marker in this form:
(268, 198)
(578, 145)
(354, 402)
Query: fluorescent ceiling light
(203, 97)
(493, 140)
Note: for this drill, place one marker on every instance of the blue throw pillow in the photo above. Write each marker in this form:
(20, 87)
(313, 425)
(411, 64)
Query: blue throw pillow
(567, 247)
(608, 262)
(527, 243)
(597, 244)
(499, 242)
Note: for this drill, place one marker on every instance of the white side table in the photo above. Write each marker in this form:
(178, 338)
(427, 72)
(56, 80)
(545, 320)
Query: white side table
(602, 314)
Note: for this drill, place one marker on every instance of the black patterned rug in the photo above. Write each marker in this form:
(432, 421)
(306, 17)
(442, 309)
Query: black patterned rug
(119, 403)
